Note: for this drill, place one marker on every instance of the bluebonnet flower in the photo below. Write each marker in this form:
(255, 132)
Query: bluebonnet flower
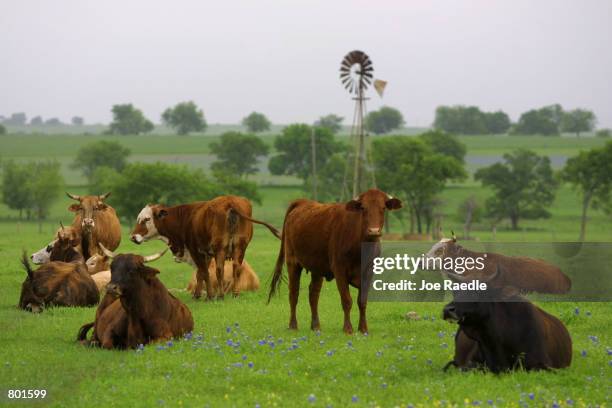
(531, 395)
(555, 405)
(583, 353)
(441, 334)
(318, 333)
(490, 402)
(244, 357)
(354, 398)
(230, 342)
(160, 348)
(188, 335)
(570, 401)
(170, 344)
(271, 344)
(261, 342)
(594, 339)
(330, 353)
(237, 365)
(609, 350)
(476, 402)
(228, 329)
(312, 398)
(383, 385)
(251, 364)
(577, 311)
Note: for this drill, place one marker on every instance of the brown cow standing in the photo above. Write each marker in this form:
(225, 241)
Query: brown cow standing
(97, 222)
(64, 281)
(137, 308)
(247, 281)
(326, 239)
(198, 232)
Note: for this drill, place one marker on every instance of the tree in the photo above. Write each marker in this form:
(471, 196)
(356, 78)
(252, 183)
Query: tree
(37, 121)
(256, 122)
(295, 150)
(384, 120)
(77, 121)
(238, 153)
(16, 119)
(53, 122)
(127, 120)
(15, 191)
(412, 170)
(445, 144)
(45, 185)
(497, 123)
(544, 121)
(524, 186)
(599, 133)
(578, 121)
(469, 212)
(330, 179)
(228, 183)
(97, 154)
(185, 117)
(590, 172)
(459, 119)
(331, 122)
(2, 129)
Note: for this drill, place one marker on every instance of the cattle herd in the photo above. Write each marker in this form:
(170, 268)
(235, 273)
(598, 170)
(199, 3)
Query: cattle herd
(501, 332)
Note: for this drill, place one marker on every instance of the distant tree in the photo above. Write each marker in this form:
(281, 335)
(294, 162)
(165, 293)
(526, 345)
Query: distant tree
(77, 121)
(2, 129)
(445, 143)
(128, 120)
(410, 169)
(103, 153)
(590, 172)
(16, 193)
(384, 120)
(603, 133)
(45, 185)
(331, 122)
(330, 179)
(16, 119)
(578, 121)
(524, 186)
(459, 119)
(544, 121)
(469, 212)
(238, 153)
(185, 117)
(256, 122)
(53, 122)
(497, 123)
(227, 183)
(295, 150)
(37, 121)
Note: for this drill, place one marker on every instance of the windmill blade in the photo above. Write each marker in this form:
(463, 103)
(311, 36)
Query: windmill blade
(380, 85)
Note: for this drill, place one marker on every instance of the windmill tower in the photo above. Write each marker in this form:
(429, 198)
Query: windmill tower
(356, 74)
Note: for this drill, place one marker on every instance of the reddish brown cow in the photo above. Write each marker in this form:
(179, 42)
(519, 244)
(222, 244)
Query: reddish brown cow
(326, 239)
(64, 281)
(137, 308)
(220, 228)
(97, 222)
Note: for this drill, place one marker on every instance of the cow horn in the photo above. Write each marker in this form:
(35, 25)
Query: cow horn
(154, 257)
(106, 251)
(453, 236)
(62, 225)
(104, 196)
(495, 274)
(73, 196)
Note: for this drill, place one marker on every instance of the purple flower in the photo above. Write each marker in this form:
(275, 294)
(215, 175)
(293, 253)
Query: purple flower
(244, 357)
(261, 342)
(251, 364)
(140, 347)
(555, 405)
(230, 343)
(188, 335)
(160, 348)
(490, 402)
(583, 353)
(237, 365)
(383, 385)
(271, 344)
(354, 398)
(475, 402)
(577, 311)
(228, 329)
(330, 353)
(170, 344)
(441, 334)
(594, 339)
(609, 350)
(570, 401)
(312, 398)
(531, 395)
(350, 343)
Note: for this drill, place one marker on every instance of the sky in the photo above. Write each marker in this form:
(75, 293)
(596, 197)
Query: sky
(63, 58)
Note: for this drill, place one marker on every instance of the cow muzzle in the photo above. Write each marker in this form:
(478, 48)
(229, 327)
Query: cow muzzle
(450, 313)
(113, 290)
(88, 223)
(137, 239)
(374, 232)
(34, 308)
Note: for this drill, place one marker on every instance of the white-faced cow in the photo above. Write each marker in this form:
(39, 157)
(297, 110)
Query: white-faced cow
(220, 228)
(326, 240)
(96, 222)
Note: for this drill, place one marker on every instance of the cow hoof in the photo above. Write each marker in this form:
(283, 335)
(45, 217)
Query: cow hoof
(348, 330)
(235, 294)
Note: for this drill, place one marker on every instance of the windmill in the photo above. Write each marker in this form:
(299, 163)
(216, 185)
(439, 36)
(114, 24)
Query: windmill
(356, 74)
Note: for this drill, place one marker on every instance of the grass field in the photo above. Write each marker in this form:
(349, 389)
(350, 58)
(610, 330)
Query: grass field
(241, 353)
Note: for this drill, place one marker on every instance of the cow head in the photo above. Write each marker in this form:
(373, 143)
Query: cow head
(87, 208)
(96, 263)
(64, 249)
(31, 298)
(372, 204)
(146, 223)
(42, 255)
(128, 271)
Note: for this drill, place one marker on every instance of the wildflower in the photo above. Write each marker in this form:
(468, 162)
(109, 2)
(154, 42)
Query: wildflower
(312, 398)
(531, 395)
(251, 364)
(577, 311)
(170, 344)
(354, 398)
(583, 353)
(228, 329)
(330, 353)
(244, 357)
(261, 342)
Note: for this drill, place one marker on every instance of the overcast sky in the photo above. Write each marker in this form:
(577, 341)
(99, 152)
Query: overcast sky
(63, 58)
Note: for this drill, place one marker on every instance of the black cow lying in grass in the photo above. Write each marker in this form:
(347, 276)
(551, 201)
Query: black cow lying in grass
(137, 308)
(64, 281)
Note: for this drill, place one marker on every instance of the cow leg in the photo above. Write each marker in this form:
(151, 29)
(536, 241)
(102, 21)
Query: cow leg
(314, 290)
(220, 266)
(362, 304)
(345, 298)
(294, 271)
(202, 276)
(237, 258)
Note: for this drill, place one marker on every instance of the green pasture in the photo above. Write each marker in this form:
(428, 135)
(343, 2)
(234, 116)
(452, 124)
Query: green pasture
(241, 352)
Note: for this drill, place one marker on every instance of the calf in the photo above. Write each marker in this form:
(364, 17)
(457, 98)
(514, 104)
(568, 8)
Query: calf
(506, 331)
(326, 240)
(63, 281)
(137, 308)
(247, 278)
(43, 255)
(218, 229)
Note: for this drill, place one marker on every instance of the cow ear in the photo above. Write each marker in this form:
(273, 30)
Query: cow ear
(353, 205)
(74, 207)
(148, 272)
(102, 206)
(393, 204)
(161, 213)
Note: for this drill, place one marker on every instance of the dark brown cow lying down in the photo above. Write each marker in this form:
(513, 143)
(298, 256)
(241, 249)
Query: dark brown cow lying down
(247, 278)
(137, 308)
(326, 239)
(64, 281)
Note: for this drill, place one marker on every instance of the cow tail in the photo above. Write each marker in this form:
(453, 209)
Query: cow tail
(273, 230)
(278, 269)
(84, 330)
(26, 264)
